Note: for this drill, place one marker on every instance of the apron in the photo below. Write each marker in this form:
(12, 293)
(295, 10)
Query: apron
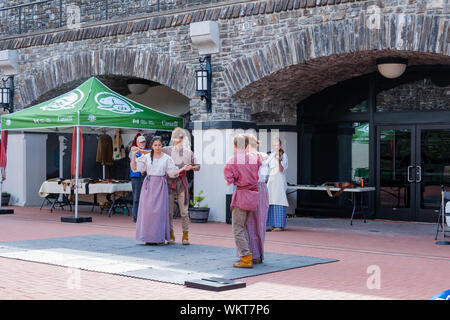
(277, 185)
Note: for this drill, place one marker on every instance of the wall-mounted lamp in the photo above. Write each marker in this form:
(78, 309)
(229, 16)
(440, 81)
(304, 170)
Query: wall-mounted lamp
(203, 78)
(392, 67)
(7, 94)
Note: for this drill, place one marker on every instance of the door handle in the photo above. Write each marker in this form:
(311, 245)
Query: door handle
(409, 176)
(418, 174)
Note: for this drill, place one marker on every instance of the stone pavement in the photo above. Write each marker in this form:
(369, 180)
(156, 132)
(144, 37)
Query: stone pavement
(377, 260)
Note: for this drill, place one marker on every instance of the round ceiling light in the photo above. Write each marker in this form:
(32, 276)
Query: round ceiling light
(138, 86)
(391, 67)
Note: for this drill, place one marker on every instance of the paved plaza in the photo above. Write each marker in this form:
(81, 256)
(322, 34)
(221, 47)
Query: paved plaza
(377, 260)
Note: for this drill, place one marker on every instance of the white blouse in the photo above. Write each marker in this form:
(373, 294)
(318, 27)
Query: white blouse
(160, 166)
(263, 171)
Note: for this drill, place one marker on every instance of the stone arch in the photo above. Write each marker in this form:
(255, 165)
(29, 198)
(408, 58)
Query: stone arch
(423, 38)
(51, 74)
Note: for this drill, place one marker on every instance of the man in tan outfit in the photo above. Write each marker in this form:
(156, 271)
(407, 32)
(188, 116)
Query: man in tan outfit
(242, 171)
(182, 155)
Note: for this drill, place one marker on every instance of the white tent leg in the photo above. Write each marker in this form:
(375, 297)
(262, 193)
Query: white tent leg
(62, 147)
(77, 219)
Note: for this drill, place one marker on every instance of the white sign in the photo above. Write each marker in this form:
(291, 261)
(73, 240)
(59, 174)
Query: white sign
(114, 103)
(66, 101)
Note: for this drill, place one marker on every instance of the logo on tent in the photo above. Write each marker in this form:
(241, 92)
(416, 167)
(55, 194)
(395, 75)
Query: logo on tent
(170, 123)
(110, 102)
(66, 101)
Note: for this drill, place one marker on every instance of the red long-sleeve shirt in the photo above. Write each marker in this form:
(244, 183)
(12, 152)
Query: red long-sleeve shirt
(242, 171)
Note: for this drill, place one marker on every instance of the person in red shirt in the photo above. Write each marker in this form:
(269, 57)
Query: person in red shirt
(242, 171)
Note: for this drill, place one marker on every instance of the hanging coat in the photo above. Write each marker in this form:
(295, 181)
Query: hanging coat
(105, 150)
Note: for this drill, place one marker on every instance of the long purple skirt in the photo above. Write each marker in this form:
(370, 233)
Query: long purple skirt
(153, 224)
(256, 224)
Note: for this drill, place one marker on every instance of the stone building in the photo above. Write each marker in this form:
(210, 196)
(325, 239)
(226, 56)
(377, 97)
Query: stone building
(304, 70)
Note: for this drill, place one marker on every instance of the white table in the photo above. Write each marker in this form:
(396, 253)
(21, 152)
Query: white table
(85, 187)
(354, 192)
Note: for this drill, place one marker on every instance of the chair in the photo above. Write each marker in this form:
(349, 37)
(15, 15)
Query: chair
(444, 217)
(53, 199)
(121, 203)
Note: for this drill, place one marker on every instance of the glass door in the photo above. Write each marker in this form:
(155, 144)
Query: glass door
(413, 165)
(396, 172)
(433, 169)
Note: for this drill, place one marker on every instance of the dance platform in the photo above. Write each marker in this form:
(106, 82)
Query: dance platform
(124, 256)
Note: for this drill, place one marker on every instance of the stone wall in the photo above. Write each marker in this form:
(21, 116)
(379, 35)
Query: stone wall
(422, 95)
(273, 54)
(55, 13)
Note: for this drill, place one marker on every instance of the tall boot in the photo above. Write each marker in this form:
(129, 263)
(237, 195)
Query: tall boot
(246, 262)
(185, 239)
(172, 237)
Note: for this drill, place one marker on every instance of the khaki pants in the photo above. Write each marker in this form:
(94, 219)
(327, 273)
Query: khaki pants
(239, 226)
(183, 210)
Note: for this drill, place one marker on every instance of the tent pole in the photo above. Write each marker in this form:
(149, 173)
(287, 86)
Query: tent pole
(76, 171)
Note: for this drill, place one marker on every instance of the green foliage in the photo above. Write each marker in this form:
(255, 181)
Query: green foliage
(195, 203)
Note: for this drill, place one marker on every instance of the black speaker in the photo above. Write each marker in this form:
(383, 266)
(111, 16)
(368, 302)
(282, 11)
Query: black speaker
(227, 204)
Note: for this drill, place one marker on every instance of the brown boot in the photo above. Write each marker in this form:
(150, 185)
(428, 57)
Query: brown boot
(257, 260)
(185, 239)
(246, 262)
(172, 237)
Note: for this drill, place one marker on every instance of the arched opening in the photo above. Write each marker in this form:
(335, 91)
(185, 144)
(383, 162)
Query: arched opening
(393, 133)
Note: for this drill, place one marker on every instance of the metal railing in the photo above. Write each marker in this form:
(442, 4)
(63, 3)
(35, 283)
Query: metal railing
(20, 9)
(17, 19)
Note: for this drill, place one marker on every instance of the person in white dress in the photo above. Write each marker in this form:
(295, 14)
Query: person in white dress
(277, 185)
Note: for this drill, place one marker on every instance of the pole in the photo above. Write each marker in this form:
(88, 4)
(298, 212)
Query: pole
(75, 218)
(62, 147)
(443, 215)
(76, 173)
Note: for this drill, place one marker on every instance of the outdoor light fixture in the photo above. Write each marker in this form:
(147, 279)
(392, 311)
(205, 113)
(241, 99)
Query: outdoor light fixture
(7, 94)
(203, 81)
(391, 67)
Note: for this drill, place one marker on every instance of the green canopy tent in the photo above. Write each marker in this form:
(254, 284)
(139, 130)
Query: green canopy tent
(93, 107)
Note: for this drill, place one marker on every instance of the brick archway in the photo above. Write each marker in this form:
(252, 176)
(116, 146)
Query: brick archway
(51, 74)
(322, 55)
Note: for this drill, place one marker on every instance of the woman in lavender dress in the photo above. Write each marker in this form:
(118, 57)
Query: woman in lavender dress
(256, 224)
(153, 226)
